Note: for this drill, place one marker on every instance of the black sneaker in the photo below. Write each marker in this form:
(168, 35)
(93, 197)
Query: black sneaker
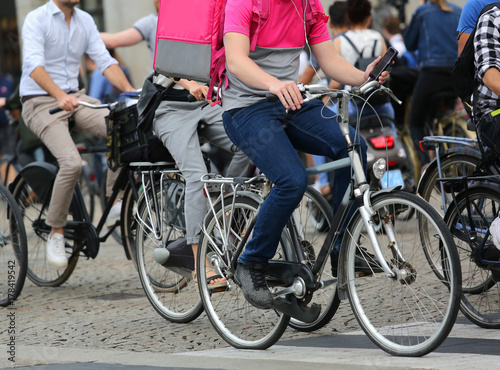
(365, 264)
(490, 252)
(252, 281)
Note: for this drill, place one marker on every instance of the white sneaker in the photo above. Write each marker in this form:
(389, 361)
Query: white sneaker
(56, 253)
(495, 232)
(114, 214)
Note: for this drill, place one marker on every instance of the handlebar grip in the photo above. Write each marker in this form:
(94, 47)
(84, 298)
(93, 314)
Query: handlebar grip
(271, 98)
(191, 98)
(55, 110)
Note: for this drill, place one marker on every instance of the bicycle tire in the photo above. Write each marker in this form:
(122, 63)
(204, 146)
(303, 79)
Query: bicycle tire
(13, 251)
(238, 322)
(102, 195)
(481, 291)
(314, 217)
(128, 225)
(39, 271)
(456, 165)
(170, 290)
(412, 314)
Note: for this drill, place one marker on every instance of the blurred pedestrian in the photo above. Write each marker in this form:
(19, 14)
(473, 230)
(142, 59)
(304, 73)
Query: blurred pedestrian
(432, 33)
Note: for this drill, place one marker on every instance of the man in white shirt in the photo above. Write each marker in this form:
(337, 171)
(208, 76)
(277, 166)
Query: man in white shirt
(55, 36)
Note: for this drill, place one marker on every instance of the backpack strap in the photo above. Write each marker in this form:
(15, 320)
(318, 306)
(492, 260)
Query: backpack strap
(312, 13)
(374, 47)
(352, 44)
(260, 14)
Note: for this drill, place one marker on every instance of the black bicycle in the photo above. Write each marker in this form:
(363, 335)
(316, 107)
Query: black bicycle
(32, 190)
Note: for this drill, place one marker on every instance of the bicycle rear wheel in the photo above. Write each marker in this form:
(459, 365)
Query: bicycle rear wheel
(13, 248)
(412, 313)
(456, 165)
(40, 271)
(480, 280)
(128, 225)
(238, 322)
(169, 287)
(313, 218)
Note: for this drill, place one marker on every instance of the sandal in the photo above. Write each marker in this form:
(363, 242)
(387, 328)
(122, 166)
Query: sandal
(216, 285)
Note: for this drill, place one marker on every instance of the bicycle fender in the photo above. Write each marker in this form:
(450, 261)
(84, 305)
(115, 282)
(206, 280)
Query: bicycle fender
(386, 190)
(40, 176)
(248, 194)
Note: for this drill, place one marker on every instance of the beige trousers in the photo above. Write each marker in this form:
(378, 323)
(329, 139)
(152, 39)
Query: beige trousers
(54, 132)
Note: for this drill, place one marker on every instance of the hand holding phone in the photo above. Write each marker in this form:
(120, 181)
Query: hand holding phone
(383, 63)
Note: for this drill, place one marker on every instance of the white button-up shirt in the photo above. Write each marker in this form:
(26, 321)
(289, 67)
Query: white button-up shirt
(48, 42)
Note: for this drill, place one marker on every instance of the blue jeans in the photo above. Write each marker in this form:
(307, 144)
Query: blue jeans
(258, 131)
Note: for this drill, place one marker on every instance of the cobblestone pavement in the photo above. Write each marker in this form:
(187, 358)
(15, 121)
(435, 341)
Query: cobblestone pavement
(103, 306)
(102, 315)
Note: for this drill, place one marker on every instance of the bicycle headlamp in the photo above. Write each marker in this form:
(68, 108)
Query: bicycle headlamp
(379, 168)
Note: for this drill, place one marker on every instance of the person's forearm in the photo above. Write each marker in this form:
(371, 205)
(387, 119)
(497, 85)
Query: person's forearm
(187, 84)
(42, 78)
(492, 80)
(124, 38)
(462, 41)
(307, 75)
(115, 75)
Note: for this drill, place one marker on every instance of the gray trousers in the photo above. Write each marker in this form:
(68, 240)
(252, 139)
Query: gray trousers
(54, 132)
(176, 125)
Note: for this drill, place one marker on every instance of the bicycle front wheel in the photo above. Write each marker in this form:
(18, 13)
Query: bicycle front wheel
(238, 322)
(480, 280)
(411, 313)
(169, 287)
(313, 218)
(13, 248)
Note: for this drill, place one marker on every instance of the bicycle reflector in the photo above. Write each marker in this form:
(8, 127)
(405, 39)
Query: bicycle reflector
(382, 142)
(379, 168)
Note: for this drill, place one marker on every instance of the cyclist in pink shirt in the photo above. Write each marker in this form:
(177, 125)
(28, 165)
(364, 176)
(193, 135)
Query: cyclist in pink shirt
(256, 125)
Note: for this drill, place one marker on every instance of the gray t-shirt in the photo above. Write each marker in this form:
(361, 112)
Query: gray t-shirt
(280, 63)
(147, 28)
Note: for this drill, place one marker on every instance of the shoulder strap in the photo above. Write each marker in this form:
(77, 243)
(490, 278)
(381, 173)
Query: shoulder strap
(260, 14)
(312, 13)
(374, 47)
(352, 44)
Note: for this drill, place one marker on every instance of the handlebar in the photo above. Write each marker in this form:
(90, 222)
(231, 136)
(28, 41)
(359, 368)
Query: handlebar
(86, 104)
(315, 91)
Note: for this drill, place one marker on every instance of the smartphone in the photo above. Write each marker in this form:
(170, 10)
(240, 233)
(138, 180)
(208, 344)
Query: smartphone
(383, 63)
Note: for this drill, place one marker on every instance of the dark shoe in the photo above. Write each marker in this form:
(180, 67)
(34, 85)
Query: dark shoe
(252, 281)
(490, 252)
(365, 264)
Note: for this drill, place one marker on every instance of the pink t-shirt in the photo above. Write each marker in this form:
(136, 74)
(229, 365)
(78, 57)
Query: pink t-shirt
(279, 43)
(284, 28)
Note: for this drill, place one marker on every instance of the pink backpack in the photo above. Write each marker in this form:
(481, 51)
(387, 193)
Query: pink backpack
(190, 33)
